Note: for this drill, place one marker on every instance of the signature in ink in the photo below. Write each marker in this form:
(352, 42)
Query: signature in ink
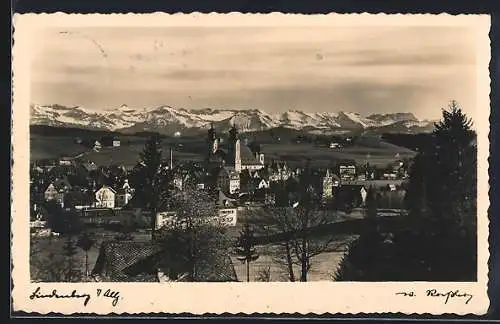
(54, 294)
(449, 294)
(435, 293)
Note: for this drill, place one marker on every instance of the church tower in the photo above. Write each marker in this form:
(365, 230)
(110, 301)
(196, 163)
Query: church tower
(233, 135)
(211, 133)
(212, 140)
(237, 156)
(327, 186)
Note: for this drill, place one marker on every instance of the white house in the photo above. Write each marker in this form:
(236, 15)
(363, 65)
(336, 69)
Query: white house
(263, 184)
(105, 197)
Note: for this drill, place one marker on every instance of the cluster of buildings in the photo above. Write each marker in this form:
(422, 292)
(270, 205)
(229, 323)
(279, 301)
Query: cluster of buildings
(239, 176)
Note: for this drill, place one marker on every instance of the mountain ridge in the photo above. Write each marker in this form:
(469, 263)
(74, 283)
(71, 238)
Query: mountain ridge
(168, 120)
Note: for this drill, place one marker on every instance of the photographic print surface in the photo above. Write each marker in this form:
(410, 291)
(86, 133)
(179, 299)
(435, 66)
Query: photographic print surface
(306, 155)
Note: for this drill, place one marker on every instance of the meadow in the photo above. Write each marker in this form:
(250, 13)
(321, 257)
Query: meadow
(375, 151)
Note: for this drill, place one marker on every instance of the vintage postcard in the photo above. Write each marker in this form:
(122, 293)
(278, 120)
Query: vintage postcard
(250, 163)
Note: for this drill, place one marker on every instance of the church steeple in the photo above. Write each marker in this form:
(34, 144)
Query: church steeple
(211, 133)
(233, 134)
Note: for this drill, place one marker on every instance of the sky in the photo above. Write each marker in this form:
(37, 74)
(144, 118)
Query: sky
(314, 69)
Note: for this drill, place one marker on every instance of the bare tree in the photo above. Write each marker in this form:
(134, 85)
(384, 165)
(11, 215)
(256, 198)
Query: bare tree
(264, 274)
(296, 221)
(294, 229)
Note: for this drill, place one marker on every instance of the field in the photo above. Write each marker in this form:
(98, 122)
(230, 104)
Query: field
(322, 156)
(49, 147)
(375, 151)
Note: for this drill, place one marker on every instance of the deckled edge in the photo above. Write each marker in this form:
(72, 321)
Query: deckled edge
(253, 314)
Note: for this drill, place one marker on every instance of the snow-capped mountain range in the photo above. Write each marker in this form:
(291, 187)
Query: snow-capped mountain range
(167, 120)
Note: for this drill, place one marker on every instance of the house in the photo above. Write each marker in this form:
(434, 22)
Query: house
(252, 184)
(279, 172)
(263, 184)
(347, 173)
(390, 175)
(131, 261)
(65, 161)
(56, 191)
(228, 180)
(105, 197)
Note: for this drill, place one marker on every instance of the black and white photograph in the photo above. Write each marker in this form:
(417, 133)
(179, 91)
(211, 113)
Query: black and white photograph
(251, 153)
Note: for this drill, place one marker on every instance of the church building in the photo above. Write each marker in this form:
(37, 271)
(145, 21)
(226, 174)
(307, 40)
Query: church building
(234, 154)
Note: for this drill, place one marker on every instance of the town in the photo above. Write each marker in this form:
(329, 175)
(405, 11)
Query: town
(237, 177)
(240, 176)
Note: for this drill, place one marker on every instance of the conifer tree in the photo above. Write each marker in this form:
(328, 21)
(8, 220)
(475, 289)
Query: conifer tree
(147, 175)
(441, 203)
(70, 251)
(85, 242)
(371, 203)
(246, 247)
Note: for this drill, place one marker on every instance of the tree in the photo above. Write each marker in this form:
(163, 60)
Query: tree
(441, 203)
(47, 264)
(444, 175)
(70, 251)
(246, 247)
(264, 274)
(294, 225)
(86, 242)
(147, 177)
(195, 238)
(60, 220)
(371, 203)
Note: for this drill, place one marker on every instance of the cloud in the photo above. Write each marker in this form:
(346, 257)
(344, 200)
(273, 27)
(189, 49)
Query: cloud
(360, 69)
